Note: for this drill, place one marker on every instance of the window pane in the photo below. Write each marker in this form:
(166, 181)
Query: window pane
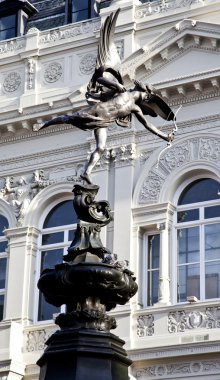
(53, 238)
(212, 284)
(153, 251)
(188, 245)
(1, 306)
(3, 224)
(62, 214)
(152, 287)
(212, 242)
(8, 22)
(46, 311)
(188, 282)
(3, 246)
(3, 263)
(80, 16)
(200, 191)
(71, 235)
(187, 215)
(51, 258)
(212, 212)
(79, 5)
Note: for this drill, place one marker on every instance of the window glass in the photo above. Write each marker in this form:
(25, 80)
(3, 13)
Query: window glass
(212, 242)
(187, 215)
(58, 231)
(3, 225)
(188, 245)
(50, 258)
(8, 27)
(188, 282)
(200, 191)
(198, 245)
(212, 212)
(3, 263)
(153, 263)
(82, 10)
(61, 215)
(52, 238)
(1, 306)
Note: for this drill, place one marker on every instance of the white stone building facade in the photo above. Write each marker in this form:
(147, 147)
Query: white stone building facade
(165, 201)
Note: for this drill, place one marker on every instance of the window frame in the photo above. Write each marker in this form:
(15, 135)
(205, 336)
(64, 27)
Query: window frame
(200, 223)
(61, 245)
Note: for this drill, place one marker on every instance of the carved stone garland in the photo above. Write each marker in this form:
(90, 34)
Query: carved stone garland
(172, 370)
(180, 321)
(19, 193)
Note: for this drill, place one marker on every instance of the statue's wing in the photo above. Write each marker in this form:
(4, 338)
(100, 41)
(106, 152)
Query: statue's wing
(156, 106)
(107, 52)
(107, 57)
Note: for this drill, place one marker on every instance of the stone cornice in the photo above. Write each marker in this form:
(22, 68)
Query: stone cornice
(174, 351)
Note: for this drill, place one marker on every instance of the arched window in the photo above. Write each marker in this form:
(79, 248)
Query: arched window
(198, 241)
(57, 235)
(3, 263)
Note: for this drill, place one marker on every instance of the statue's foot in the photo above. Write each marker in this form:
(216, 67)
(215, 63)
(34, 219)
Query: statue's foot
(86, 178)
(37, 127)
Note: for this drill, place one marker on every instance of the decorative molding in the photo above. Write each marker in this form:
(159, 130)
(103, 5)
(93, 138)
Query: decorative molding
(70, 32)
(162, 6)
(19, 193)
(11, 46)
(192, 150)
(180, 321)
(87, 64)
(120, 48)
(171, 370)
(30, 73)
(35, 340)
(151, 187)
(145, 325)
(124, 155)
(12, 82)
(53, 72)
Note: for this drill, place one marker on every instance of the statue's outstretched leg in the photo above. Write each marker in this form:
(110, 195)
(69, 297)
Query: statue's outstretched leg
(64, 119)
(100, 137)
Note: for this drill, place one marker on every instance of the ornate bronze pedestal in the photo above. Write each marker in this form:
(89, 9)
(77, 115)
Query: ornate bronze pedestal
(89, 283)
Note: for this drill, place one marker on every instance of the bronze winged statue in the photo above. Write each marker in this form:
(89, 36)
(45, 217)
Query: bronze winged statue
(110, 102)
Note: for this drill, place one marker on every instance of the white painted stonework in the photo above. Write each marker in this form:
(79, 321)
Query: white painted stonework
(175, 46)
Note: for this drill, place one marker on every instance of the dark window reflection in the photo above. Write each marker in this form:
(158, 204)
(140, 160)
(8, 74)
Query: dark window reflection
(153, 263)
(1, 306)
(51, 258)
(187, 215)
(62, 214)
(200, 191)
(212, 212)
(53, 238)
(83, 10)
(8, 27)
(3, 225)
(3, 263)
